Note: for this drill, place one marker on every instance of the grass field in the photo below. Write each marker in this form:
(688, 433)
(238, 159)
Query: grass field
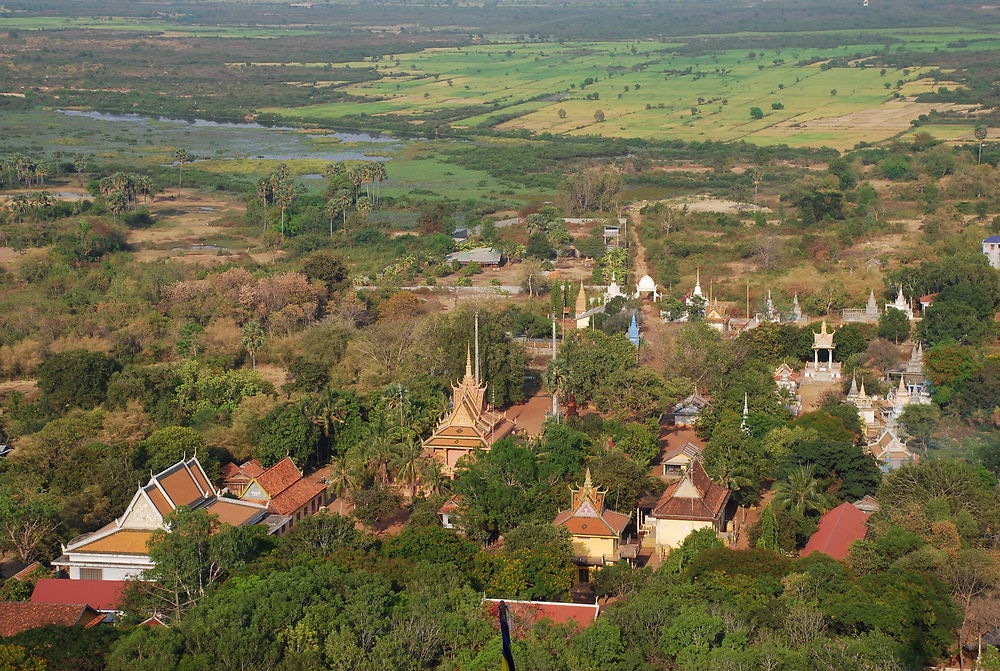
(140, 25)
(648, 90)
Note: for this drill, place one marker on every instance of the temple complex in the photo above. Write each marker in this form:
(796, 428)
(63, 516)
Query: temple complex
(470, 425)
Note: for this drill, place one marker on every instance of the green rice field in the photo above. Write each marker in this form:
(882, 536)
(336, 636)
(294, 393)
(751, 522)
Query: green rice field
(650, 90)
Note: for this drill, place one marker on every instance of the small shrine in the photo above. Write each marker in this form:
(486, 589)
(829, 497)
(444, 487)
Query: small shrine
(597, 533)
(820, 370)
(633, 332)
(901, 304)
(470, 425)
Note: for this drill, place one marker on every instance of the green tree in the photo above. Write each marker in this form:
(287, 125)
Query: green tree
(197, 553)
(756, 113)
(981, 133)
(322, 535)
(637, 394)
(799, 492)
(166, 446)
(919, 422)
(952, 320)
(767, 538)
(75, 379)
(692, 545)
(894, 325)
(591, 357)
(619, 579)
(285, 431)
(327, 268)
(180, 157)
(28, 520)
(252, 339)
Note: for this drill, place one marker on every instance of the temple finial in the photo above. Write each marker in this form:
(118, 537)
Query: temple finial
(468, 361)
(586, 480)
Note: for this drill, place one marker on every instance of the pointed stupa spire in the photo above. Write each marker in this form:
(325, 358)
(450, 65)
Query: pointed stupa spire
(854, 386)
(587, 482)
(862, 393)
(902, 387)
(823, 327)
(468, 361)
(697, 282)
(581, 300)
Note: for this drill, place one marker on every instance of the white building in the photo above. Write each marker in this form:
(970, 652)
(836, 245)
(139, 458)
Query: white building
(119, 550)
(991, 248)
(901, 304)
(692, 502)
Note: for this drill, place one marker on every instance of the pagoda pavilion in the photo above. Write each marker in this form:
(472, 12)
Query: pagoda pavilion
(470, 425)
(597, 533)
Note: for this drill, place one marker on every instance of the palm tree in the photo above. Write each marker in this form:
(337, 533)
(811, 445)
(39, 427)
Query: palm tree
(265, 191)
(409, 453)
(981, 132)
(364, 205)
(252, 338)
(378, 174)
(343, 477)
(182, 157)
(800, 492)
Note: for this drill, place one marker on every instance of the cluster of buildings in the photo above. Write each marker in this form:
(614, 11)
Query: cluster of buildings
(277, 497)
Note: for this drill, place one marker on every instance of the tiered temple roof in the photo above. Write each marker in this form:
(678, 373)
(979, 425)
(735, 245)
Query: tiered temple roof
(694, 497)
(472, 423)
(587, 515)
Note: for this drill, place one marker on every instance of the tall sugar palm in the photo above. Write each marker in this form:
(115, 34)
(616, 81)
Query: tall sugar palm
(343, 477)
(252, 339)
(181, 157)
(338, 203)
(378, 174)
(407, 461)
(265, 191)
(800, 492)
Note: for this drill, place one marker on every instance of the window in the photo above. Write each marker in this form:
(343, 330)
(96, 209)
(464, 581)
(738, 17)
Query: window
(91, 574)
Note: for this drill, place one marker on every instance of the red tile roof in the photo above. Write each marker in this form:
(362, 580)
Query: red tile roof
(279, 477)
(608, 523)
(18, 616)
(27, 570)
(527, 613)
(294, 497)
(98, 594)
(838, 528)
(694, 497)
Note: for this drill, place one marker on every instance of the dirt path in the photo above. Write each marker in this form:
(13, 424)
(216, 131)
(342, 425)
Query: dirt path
(650, 312)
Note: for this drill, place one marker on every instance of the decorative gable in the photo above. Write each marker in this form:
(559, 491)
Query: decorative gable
(142, 515)
(255, 492)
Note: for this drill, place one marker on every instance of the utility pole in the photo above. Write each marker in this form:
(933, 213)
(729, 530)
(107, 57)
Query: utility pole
(555, 399)
(477, 347)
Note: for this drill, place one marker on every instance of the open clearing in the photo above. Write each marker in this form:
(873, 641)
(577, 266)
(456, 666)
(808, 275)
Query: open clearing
(656, 90)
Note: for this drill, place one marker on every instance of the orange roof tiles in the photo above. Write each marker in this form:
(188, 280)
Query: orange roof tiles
(98, 594)
(707, 503)
(279, 477)
(160, 501)
(200, 477)
(18, 616)
(292, 498)
(181, 487)
(231, 512)
(126, 541)
(527, 613)
(838, 528)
